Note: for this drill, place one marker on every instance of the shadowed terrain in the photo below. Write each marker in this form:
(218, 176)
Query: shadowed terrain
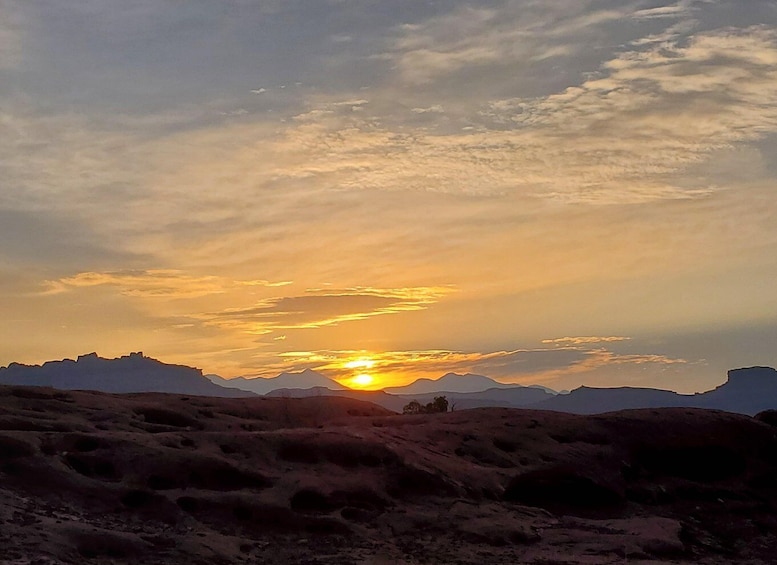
(88, 477)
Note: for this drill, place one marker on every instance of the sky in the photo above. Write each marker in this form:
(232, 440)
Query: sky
(554, 192)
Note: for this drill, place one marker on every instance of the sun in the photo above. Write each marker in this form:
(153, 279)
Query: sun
(360, 369)
(363, 380)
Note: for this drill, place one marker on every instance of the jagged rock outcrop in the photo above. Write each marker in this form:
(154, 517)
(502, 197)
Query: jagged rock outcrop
(130, 373)
(749, 390)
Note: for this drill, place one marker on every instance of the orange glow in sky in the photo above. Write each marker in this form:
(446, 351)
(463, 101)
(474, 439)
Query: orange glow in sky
(362, 381)
(584, 219)
(360, 364)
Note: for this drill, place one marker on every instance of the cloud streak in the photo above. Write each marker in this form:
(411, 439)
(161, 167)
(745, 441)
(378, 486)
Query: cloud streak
(158, 283)
(319, 309)
(572, 341)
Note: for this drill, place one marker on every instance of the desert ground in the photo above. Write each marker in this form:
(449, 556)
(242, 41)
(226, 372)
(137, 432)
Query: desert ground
(87, 477)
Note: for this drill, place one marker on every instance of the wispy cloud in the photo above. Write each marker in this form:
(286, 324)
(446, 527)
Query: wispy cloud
(512, 33)
(322, 308)
(435, 109)
(677, 10)
(584, 340)
(158, 283)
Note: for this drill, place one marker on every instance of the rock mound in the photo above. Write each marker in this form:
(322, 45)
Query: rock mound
(94, 478)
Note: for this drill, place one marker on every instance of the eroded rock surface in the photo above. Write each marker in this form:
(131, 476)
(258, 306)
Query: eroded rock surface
(97, 478)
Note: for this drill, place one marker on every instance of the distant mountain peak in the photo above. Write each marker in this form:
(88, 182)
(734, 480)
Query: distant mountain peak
(305, 372)
(450, 382)
(453, 375)
(305, 379)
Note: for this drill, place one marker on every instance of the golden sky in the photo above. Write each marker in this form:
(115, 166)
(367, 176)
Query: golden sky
(562, 192)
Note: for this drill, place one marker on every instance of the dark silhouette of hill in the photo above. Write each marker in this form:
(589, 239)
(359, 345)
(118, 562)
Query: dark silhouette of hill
(507, 397)
(747, 391)
(306, 379)
(92, 478)
(379, 397)
(512, 397)
(587, 400)
(130, 373)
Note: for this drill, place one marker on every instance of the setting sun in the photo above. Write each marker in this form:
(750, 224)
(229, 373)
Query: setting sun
(362, 380)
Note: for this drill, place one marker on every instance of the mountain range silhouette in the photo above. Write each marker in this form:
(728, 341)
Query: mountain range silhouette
(747, 390)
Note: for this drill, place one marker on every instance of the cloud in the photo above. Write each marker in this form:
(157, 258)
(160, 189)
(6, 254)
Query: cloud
(625, 135)
(354, 102)
(322, 308)
(572, 341)
(511, 34)
(158, 283)
(662, 12)
(408, 365)
(435, 109)
(583, 144)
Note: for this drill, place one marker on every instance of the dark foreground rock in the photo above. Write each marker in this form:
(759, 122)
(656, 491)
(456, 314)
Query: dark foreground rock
(98, 478)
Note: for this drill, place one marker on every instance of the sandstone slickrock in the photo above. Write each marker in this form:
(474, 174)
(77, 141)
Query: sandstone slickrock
(87, 477)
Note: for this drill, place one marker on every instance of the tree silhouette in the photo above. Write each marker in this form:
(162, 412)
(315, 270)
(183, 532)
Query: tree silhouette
(439, 405)
(413, 407)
